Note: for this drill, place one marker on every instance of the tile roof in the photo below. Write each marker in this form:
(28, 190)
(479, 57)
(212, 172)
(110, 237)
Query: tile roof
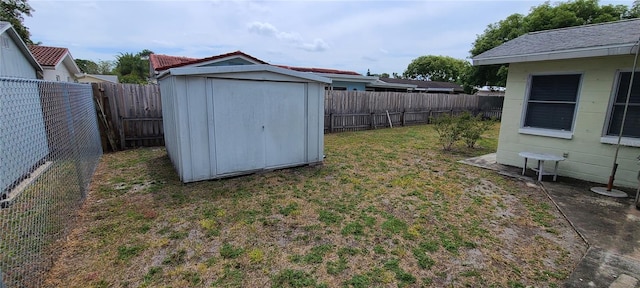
(424, 84)
(319, 70)
(576, 38)
(48, 56)
(216, 57)
(159, 60)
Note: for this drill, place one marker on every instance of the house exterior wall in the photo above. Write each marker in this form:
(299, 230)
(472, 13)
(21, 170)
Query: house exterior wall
(588, 158)
(23, 137)
(13, 62)
(210, 126)
(59, 73)
(359, 86)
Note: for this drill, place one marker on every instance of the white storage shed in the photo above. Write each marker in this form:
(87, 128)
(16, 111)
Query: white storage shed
(223, 121)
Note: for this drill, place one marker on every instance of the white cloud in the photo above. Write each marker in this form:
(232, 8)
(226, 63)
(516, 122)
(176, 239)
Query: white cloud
(295, 39)
(318, 45)
(264, 29)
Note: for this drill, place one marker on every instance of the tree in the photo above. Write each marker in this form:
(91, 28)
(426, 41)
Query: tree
(543, 17)
(13, 11)
(105, 67)
(87, 66)
(133, 68)
(438, 68)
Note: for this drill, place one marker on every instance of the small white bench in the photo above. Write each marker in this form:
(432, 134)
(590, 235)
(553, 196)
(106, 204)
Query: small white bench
(541, 157)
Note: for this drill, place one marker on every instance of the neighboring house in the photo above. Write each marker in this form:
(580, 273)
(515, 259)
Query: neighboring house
(15, 58)
(161, 63)
(158, 61)
(23, 135)
(341, 80)
(97, 78)
(427, 86)
(565, 94)
(57, 63)
(490, 91)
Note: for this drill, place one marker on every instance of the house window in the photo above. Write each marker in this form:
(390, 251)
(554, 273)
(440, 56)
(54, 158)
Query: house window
(552, 101)
(632, 121)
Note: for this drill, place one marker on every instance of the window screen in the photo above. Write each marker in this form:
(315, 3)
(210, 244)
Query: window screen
(552, 101)
(632, 122)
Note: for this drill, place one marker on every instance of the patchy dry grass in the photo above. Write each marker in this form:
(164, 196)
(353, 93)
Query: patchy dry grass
(388, 208)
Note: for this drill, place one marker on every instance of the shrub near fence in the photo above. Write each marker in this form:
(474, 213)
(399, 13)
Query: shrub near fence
(49, 149)
(360, 110)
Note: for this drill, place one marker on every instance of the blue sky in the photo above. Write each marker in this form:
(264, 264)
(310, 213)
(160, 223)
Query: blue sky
(382, 36)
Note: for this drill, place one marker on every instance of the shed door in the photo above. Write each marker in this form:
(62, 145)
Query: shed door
(258, 124)
(238, 112)
(285, 122)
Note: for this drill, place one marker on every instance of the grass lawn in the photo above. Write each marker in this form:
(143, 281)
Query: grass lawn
(388, 208)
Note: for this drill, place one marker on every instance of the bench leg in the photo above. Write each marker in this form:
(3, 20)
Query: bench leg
(525, 165)
(540, 170)
(555, 172)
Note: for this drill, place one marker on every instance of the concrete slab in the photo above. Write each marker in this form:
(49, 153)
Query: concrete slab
(610, 226)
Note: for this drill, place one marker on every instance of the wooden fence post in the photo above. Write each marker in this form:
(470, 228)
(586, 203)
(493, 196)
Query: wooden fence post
(373, 121)
(331, 123)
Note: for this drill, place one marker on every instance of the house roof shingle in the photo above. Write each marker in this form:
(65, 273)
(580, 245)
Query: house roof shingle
(612, 38)
(48, 56)
(216, 57)
(425, 84)
(160, 60)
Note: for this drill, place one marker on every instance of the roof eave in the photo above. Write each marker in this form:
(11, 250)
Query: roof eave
(615, 50)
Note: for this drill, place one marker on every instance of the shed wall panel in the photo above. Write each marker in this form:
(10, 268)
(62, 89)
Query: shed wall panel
(196, 104)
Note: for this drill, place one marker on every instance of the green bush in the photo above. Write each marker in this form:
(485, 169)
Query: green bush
(465, 127)
(472, 128)
(448, 130)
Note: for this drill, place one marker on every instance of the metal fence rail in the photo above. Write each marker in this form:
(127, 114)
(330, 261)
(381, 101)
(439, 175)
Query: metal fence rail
(49, 149)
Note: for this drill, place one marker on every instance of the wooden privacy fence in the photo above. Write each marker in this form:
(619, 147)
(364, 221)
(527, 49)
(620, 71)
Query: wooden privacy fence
(129, 115)
(360, 110)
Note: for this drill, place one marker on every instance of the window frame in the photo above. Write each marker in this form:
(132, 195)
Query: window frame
(613, 139)
(549, 132)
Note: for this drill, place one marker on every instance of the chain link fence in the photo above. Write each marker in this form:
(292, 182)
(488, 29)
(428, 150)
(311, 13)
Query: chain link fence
(49, 149)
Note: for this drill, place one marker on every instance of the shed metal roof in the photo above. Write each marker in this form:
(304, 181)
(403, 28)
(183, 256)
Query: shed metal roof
(603, 39)
(209, 70)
